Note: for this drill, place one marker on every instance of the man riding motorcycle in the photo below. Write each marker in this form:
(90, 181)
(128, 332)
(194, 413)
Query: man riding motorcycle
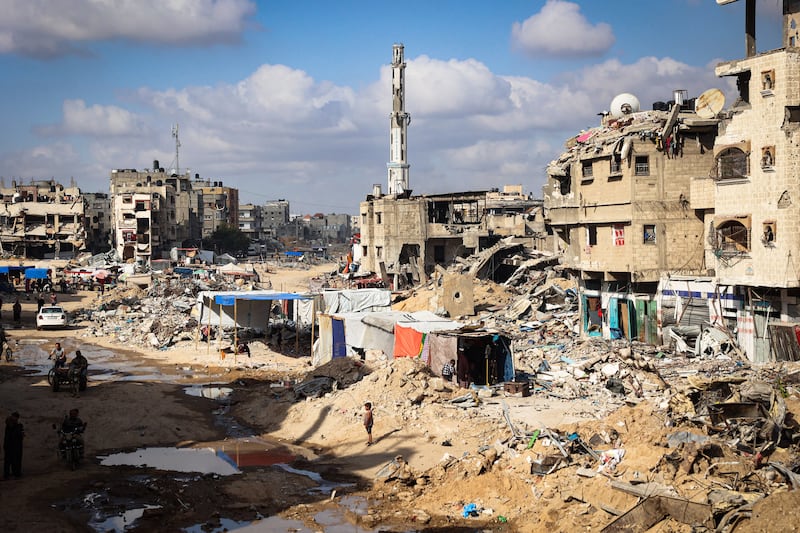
(72, 426)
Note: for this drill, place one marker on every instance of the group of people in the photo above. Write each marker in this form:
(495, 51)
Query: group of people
(15, 434)
(75, 368)
(464, 370)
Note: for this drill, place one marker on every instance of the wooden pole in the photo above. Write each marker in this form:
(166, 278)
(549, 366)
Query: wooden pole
(296, 328)
(219, 333)
(208, 337)
(199, 325)
(313, 320)
(235, 330)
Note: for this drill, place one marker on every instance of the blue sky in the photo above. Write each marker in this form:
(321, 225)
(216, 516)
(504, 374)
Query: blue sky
(290, 99)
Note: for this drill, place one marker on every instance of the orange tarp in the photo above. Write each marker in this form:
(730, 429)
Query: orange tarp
(407, 342)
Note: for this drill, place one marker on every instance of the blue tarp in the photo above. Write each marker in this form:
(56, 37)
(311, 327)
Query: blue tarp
(36, 273)
(228, 299)
(294, 254)
(9, 269)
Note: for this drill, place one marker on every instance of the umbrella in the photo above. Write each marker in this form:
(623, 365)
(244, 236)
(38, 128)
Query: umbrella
(101, 274)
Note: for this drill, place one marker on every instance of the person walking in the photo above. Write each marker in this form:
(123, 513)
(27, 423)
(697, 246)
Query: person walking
(17, 309)
(12, 445)
(448, 369)
(39, 302)
(368, 421)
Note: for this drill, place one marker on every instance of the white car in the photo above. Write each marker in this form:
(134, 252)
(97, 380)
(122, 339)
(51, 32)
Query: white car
(51, 316)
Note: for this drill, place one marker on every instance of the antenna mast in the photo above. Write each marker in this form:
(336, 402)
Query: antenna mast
(177, 149)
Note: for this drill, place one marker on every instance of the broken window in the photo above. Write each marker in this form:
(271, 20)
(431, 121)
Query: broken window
(591, 235)
(767, 80)
(649, 236)
(743, 84)
(732, 163)
(642, 165)
(379, 252)
(767, 157)
(438, 254)
(565, 185)
(616, 165)
(377, 218)
(768, 232)
(364, 251)
(586, 169)
(732, 237)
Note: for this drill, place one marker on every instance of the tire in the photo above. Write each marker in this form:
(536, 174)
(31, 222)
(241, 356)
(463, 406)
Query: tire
(51, 376)
(9, 354)
(74, 457)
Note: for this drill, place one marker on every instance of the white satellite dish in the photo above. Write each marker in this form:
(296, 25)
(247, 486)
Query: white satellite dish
(709, 104)
(623, 104)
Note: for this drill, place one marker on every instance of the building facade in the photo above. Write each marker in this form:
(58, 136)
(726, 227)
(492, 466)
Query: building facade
(274, 214)
(42, 220)
(250, 221)
(220, 206)
(618, 201)
(153, 212)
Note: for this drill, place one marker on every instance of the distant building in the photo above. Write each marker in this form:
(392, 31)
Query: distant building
(153, 211)
(42, 219)
(220, 205)
(407, 236)
(98, 221)
(274, 214)
(250, 221)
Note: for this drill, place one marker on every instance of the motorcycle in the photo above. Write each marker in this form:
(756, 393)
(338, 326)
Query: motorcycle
(70, 446)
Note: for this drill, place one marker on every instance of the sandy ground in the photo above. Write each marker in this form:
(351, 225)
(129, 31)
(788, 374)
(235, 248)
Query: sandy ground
(138, 398)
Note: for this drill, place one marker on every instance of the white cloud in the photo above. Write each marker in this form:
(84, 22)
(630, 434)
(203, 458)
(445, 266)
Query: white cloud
(96, 121)
(281, 133)
(43, 28)
(560, 29)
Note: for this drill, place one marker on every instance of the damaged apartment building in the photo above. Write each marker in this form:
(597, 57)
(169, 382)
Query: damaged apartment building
(153, 212)
(685, 218)
(404, 237)
(42, 219)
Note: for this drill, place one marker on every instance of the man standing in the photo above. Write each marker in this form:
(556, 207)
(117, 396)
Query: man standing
(12, 444)
(17, 309)
(39, 302)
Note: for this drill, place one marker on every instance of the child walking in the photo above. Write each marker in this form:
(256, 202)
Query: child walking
(368, 421)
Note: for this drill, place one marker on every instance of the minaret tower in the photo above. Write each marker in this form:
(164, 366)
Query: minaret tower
(398, 126)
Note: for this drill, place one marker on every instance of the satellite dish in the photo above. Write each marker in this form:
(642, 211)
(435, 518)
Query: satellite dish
(623, 104)
(709, 103)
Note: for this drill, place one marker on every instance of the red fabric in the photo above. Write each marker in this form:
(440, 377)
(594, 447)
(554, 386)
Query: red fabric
(407, 342)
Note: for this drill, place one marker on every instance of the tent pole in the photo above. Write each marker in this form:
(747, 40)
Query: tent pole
(197, 334)
(269, 312)
(235, 330)
(219, 332)
(313, 320)
(208, 338)
(296, 328)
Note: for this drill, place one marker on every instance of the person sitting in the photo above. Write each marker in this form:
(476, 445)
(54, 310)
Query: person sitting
(448, 370)
(59, 356)
(243, 348)
(78, 366)
(72, 423)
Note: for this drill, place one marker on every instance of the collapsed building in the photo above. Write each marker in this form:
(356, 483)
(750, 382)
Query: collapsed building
(404, 237)
(684, 216)
(42, 219)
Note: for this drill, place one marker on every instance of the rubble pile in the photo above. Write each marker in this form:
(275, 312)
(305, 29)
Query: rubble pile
(156, 317)
(684, 442)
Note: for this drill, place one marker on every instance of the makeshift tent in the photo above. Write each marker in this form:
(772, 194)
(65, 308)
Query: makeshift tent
(356, 300)
(13, 269)
(215, 308)
(442, 346)
(233, 270)
(239, 309)
(369, 331)
(409, 335)
(37, 273)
